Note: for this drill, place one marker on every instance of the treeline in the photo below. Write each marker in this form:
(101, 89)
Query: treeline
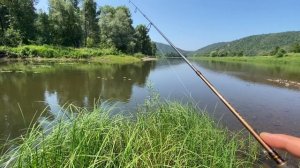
(72, 23)
(277, 51)
(268, 44)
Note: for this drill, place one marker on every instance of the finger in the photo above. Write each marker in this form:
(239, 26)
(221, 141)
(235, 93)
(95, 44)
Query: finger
(285, 142)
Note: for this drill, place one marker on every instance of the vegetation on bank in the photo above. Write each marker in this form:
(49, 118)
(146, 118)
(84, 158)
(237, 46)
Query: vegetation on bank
(108, 55)
(72, 23)
(290, 58)
(166, 135)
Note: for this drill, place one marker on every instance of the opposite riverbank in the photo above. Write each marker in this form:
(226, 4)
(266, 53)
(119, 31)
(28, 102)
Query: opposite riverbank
(65, 54)
(165, 135)
(291, 58)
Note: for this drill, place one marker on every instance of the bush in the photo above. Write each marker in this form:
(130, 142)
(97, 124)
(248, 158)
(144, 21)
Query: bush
(281, 52)
(139, 55)
(12, 38)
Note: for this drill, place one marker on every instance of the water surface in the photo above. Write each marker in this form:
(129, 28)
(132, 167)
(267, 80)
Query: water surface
(255, 90)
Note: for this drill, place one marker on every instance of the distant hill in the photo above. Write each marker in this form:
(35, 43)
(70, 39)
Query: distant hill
(254, 45)
(167, 50)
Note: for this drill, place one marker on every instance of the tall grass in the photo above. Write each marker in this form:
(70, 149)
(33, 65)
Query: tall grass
(168, 135)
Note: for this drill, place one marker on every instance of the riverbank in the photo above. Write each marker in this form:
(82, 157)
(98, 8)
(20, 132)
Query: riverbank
(291, 58)
(65, 54)
(166, 135)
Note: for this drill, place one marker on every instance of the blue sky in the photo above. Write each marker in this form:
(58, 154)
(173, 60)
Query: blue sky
(192, 24)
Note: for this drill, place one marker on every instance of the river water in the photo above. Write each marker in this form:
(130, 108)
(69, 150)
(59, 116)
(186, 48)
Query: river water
(268, 96)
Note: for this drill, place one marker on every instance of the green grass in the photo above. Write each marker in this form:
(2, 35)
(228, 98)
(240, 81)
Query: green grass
(109, 55)
(291, 58)
(167, 135)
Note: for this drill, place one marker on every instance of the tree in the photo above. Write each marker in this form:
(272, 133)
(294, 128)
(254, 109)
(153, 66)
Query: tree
(3, 18)
(12, 38)
(154, 48)
(116, 27)
(296, 48)
(90, 22)
(44, 29)
(142, 40)
(213, 54)
(281, 52)
(64, 14)
(21, 15)
(275, 51)
(222, 53)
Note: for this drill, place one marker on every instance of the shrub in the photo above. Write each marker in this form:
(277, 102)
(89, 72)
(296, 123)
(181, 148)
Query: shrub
(12, 38)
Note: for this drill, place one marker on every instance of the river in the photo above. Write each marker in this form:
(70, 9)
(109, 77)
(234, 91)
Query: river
(268, 96)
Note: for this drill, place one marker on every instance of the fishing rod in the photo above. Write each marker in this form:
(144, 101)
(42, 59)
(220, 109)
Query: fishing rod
(272, 153)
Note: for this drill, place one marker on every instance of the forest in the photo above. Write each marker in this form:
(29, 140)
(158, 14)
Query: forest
(72, 23)
(273, 44)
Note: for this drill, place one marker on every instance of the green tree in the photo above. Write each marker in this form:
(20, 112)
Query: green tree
(213, 54)
(12, 37)
(142, 40)
(275, 51)
(90, 23)
(295, 48)
(222, 53)
(281, 52)
(116, 27)
(65, 17)
(44, 29)
(21, 14)
(3, 18)
(153, 48)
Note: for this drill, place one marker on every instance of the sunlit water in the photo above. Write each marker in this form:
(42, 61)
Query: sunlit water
(255, 90)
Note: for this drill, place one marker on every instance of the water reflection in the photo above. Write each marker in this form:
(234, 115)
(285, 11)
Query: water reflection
(272, 74)
(27, 89)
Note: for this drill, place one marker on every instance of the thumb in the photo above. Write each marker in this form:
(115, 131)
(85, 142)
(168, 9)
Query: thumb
(281, 141)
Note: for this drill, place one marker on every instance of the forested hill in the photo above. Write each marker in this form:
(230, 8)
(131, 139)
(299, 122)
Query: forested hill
(167, 50)
(253, 45)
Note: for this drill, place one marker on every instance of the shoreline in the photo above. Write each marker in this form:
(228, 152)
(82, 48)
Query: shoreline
(291, 58)
(67, 54)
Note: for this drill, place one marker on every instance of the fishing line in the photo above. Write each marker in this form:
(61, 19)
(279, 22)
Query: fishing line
(188, 93)
(272, 153)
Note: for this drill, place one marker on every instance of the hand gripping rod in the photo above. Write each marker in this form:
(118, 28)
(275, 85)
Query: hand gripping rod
(272, 153)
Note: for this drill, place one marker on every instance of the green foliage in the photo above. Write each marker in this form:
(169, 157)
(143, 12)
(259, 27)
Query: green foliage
(65, 18)
(4, 21)
(142, 40)
(12, 38)
(139, 55)
(72, 25)
(46, 51)
(295, 48)
(213, 54)
(44, 29)
(116, 27)
(169, 135)
(20, 17)
(275, 51)
(154, 48)
(281, 52)
(254, 45)
(90, 27)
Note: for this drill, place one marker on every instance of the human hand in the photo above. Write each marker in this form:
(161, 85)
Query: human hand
(288, 143)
